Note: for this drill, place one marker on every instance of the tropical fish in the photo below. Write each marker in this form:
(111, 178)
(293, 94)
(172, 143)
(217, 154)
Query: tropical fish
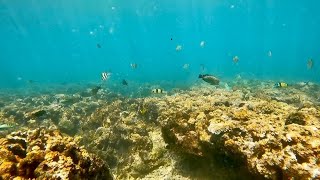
(209, 79)
(5, 126)
(203, 68)
(95, 90)
(158, 91)
(124, 82)
(227, 87)
(134, 65)
(105, 75)
(235, 59)
(30, 81)
(202, 44)
(280, 85)
(179, 48)
(310, 63)
(186, 66)
(143, 110)
(302, 83)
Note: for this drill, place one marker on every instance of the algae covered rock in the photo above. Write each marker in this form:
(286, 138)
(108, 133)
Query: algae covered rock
(47, 154)
(296, 118)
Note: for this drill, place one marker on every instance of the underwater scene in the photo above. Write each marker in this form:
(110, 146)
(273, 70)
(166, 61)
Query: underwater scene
(160, 89)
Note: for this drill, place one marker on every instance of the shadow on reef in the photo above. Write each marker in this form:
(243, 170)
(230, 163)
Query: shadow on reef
(214, 163)
(215, 166)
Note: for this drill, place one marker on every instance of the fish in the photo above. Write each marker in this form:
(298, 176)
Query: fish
(30, 81)
(269, 54)
(227, 87)
(202, 67)
(302, 83)
(310, 64)
(179, 48)
(134, 65)
(124, 82)
(5, 126)
(280, 85)
(186, 66)
(95, 90)
(202, 44)
(98, 46)
(235, 59)
(209, 79)
(105, 75)
(158, 91)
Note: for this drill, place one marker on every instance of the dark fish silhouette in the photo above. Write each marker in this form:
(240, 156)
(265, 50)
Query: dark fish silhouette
(209, 79)
(98, 46)
(310, 64)
(95, 90)
(30, 81)
(124, 82)
(202, 66)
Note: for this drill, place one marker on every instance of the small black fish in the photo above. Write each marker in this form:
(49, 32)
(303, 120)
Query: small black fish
(124, 82)
(95, 90)
(98, 46)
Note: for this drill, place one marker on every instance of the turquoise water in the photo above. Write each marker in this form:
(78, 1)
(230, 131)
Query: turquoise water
(56, 41)
(53, 53)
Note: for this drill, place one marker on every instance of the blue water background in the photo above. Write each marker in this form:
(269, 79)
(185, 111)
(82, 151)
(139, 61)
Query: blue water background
(56, 41)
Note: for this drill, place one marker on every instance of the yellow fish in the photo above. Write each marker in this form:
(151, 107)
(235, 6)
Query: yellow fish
(281, 84)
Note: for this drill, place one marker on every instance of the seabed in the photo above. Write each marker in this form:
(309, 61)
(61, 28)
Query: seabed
(251, 130)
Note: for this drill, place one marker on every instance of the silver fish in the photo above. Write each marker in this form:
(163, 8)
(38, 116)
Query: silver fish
(5, 126)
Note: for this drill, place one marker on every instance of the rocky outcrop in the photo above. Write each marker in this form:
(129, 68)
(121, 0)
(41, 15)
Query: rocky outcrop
(47, 154)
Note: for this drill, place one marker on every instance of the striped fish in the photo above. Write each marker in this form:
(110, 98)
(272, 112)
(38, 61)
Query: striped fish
(105, 76)
(158, 91)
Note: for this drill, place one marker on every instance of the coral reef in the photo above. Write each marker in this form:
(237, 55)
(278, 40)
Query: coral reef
(251, 130)
(46, 154)
(276, 140)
